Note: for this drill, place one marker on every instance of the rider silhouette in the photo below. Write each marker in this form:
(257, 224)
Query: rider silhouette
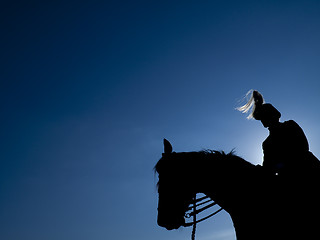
(286, 149)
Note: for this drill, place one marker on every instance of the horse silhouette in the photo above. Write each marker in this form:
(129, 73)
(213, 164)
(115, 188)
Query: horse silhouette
(261, 205)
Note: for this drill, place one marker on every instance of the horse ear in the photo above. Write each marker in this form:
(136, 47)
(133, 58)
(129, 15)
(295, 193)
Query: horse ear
(167, 146)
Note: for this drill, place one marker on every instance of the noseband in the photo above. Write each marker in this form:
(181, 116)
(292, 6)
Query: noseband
(196, 203)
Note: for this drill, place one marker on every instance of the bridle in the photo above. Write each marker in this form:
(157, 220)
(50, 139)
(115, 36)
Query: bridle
(196, 203)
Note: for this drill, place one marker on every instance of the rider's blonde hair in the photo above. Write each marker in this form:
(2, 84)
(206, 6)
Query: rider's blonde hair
(255, 100)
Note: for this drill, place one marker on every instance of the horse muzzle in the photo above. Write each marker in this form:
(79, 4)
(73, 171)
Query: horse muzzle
(171, 223)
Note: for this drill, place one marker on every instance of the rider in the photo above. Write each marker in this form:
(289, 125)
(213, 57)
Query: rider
(286, 149)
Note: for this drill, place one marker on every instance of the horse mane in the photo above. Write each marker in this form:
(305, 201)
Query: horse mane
(186, 157)
(203, 163)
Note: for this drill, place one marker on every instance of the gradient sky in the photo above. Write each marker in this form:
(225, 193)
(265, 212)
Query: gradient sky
(90, 88)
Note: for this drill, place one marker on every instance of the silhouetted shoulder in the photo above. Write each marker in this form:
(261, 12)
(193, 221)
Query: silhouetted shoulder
(296, 138)
(291, 123)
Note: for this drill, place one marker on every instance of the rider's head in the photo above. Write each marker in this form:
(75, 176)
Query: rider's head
(264, 112)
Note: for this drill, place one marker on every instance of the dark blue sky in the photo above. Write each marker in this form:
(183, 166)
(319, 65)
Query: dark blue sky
(89, 89)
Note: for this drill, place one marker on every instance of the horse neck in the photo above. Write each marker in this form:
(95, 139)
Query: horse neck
(212, 175)
(205, 173)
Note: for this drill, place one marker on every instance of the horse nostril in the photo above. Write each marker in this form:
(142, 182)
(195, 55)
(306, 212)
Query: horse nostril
(171, 223)
(161, 223)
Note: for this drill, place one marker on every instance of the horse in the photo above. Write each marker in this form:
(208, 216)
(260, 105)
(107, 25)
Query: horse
(261, 205)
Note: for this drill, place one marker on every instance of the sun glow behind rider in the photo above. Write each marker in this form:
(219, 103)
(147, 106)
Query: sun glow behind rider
(286, 149)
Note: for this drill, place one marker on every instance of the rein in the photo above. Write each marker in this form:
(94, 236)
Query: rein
(196, 203)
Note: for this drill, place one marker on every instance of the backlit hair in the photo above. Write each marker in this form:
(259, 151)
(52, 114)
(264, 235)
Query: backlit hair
(254, 100)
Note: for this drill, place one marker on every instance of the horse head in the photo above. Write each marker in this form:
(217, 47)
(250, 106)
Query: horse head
(174, 195)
